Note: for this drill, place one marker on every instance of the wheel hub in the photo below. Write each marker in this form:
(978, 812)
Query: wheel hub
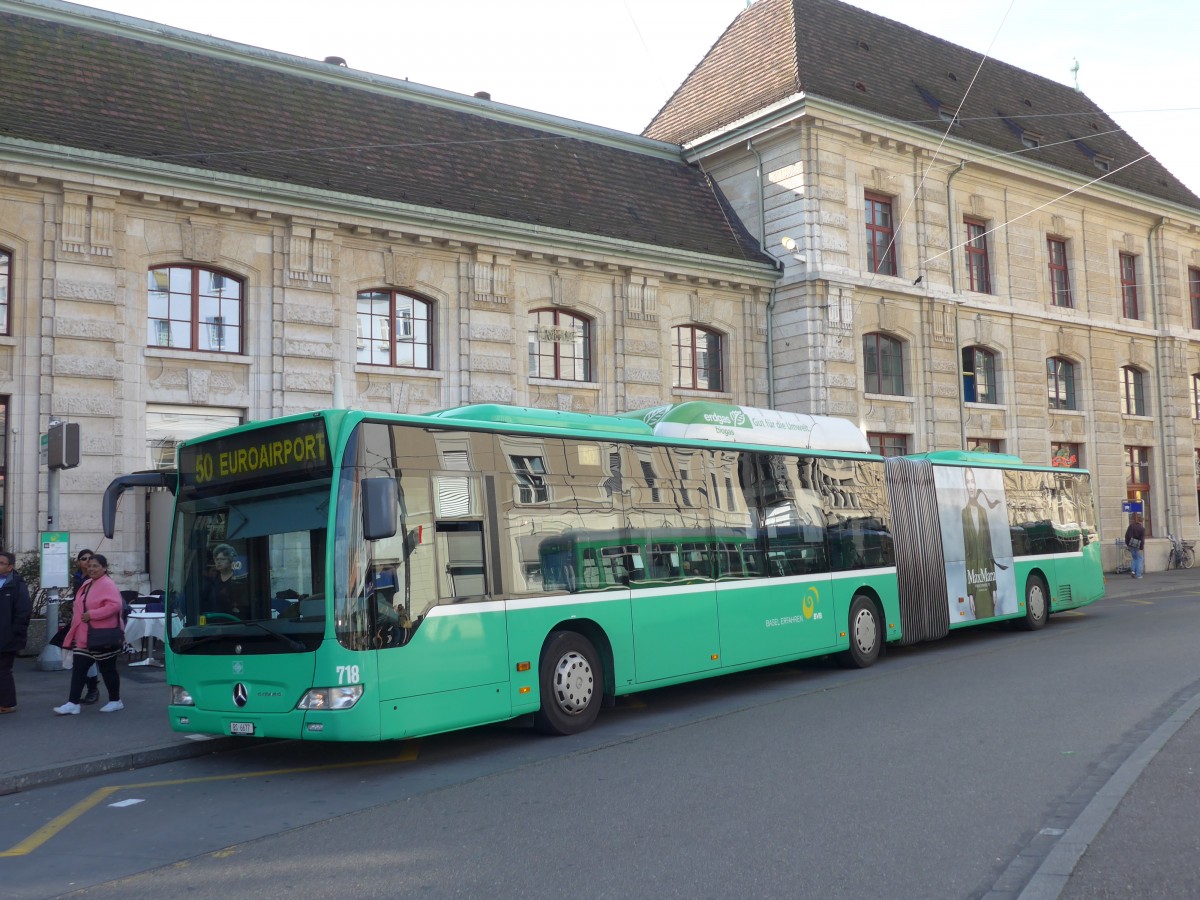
(865, 634)
(574, 683)
(1036, 602)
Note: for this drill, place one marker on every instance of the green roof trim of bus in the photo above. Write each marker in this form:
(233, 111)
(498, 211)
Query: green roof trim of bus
(985, 458)
(497, 414)
(974, 457)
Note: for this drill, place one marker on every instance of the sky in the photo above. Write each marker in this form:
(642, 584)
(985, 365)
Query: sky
(615, 62)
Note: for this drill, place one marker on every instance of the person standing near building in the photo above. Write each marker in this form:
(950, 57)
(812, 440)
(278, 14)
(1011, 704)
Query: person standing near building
(1135, 540)
(97, 605)
(15, 610)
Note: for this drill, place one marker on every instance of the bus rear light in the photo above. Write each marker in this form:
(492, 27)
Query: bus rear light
(331, 698)
(180, 697)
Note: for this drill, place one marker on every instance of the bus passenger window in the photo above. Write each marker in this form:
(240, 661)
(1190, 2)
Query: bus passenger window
(461, 547)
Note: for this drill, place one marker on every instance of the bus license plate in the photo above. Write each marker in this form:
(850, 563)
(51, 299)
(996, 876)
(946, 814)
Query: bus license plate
(241, 728)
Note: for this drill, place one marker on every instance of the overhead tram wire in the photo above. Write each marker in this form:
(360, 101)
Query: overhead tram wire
(1030, 212)
(945, 136)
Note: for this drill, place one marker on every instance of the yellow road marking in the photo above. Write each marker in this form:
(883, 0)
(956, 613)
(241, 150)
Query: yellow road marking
(57, 824)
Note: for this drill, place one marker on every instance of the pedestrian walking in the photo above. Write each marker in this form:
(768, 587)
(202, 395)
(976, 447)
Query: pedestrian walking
(1135, 540)
(15, 610)
(96, 636)
(78, 577)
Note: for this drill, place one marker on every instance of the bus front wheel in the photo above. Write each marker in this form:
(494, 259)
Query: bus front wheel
(572, 684)
(1037, 604)
(866, 636)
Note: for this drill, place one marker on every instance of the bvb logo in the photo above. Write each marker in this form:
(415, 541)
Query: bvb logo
(811, 597)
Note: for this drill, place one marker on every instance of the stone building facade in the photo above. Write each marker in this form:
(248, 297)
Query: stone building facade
(156, 290)
(997, 268)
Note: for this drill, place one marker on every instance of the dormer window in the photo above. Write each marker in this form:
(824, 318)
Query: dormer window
(1103, 163)
(1030, 140)
(949, 115)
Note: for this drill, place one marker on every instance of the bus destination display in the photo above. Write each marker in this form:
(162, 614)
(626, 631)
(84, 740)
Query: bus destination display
(250, 456)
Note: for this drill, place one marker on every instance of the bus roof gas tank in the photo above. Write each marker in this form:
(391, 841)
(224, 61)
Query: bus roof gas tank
(701, 421)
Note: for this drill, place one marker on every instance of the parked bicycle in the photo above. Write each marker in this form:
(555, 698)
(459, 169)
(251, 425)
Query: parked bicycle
(1183, 553)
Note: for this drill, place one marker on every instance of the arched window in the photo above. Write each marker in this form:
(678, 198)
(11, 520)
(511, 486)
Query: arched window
(979, 376)
(698, 359)
(560, 346)
(1133, 395)
(395, 329)
(1060, 383)
(5, 290)
(883, 364)
(193, 308)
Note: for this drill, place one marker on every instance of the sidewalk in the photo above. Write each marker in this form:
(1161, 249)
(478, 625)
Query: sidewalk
(41, 748)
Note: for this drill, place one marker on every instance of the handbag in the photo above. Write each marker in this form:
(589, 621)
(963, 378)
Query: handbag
(102, 640)
(59, 636)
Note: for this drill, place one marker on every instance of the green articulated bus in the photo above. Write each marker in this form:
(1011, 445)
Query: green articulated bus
(355, 576)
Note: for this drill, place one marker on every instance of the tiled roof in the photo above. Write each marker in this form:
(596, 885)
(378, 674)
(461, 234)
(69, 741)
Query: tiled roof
(775, 49)
(98, 85)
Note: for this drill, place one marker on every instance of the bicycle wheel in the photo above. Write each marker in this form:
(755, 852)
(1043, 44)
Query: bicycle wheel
(1189, 557)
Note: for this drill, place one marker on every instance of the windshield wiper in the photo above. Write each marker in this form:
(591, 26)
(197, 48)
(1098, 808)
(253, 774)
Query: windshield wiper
(291, 643)
(206, 639)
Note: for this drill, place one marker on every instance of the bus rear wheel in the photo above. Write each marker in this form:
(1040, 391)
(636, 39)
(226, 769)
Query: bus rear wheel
(866, 636)
(571, 682)
(1037, 604)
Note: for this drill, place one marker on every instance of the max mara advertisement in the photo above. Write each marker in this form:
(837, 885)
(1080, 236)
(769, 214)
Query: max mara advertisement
(976, 542)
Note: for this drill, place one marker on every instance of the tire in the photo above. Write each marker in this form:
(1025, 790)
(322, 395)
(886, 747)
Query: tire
(866, 635)
(571, 683)
(1189, 557)
(1037, 604)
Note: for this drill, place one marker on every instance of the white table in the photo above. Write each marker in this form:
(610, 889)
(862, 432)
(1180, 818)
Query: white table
(142, 626)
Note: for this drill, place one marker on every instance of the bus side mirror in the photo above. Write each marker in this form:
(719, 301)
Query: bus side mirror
(380, 508)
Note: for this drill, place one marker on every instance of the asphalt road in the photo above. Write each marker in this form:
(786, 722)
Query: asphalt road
(933, 774)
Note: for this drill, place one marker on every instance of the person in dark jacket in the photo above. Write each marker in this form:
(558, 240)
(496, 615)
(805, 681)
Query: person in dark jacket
(15, 610)
(79, 576)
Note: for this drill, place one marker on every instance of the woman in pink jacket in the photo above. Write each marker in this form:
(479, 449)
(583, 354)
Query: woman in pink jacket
(97, 605)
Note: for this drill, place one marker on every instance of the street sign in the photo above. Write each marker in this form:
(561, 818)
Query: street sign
(56, 558)
(1131, 506)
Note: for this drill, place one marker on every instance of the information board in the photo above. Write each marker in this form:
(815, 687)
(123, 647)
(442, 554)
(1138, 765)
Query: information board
(56, 559)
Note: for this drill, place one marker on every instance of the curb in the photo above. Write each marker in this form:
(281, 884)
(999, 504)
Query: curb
(121, 762)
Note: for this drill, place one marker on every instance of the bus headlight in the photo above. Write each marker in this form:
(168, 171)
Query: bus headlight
(331, 698)
(180, 697)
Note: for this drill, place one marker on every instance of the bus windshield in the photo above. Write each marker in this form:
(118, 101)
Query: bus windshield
(248, 570)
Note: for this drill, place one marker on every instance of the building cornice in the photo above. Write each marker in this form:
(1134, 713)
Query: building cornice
(59, 163)
(954, 150)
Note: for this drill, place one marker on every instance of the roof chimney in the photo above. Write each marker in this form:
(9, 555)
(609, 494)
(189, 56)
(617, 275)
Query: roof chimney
(336, 61)
(483, 95)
